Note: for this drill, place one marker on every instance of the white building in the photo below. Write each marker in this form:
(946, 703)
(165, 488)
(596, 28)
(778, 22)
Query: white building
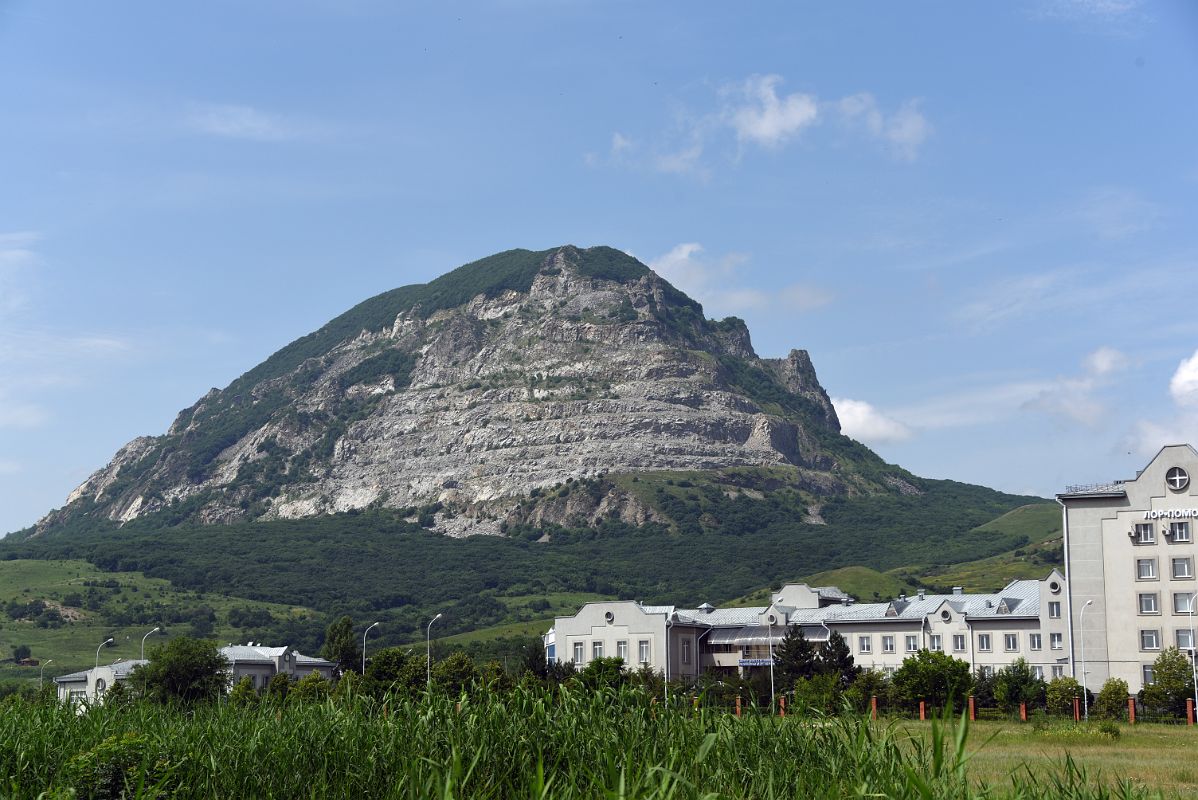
(258, 663)
(1026, 619)
(1130, 563)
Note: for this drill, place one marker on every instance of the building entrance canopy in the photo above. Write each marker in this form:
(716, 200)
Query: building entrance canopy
(760, 634)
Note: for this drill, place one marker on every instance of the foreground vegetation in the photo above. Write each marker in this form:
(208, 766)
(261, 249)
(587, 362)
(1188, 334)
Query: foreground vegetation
(528, 742)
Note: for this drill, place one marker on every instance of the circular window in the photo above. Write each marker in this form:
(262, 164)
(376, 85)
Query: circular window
(101, 685)
(609, 616)
(1177, 479)
(1054, 587)
(945, 615)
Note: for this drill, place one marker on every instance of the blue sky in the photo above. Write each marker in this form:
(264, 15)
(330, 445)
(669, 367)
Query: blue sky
(979, 218)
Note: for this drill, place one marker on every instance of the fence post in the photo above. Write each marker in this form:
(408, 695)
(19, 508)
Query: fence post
(1189, 711)
(873, 707)
(1131, 710)
(1023, 712)
(782, 706)
(1077, 709)
(973, 713)
(738, 705)
(922, 711)
(695, 703)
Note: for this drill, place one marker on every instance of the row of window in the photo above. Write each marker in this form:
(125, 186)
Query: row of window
(1149, 602)
(1056, 641)
(1150, 638)
(643, 648)
(1182, 569)
(1145, 533)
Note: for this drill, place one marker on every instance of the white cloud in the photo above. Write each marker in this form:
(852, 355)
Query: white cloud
(17, 259)
(905, 130)
(684, 161)
(1104, 361)
(240, 122)
(766, 119)
(863, 422)
(717, 283)
(619, 144)
(1116, 213)
(1183, 386)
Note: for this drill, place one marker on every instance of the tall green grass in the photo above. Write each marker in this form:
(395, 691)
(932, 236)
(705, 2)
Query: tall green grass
(524, 744)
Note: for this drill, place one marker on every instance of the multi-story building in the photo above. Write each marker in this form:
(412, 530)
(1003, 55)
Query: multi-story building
(1130, 565)
(1026, 619)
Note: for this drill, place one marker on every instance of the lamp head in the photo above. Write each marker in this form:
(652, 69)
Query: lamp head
(437, 617)
(1089, 603)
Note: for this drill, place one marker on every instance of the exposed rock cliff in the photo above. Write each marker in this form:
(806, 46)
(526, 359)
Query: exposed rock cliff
(509, 374)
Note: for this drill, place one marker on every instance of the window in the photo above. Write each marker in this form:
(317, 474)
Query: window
(101, 685)
(958, 643)
(1150, 639)
(1179, 531)
(1149, 677)
(622, 650)
(1145, 533)
(686, 651)
(1145, 569)
(1183, 568)
(935, 642)
(1185, 639)
(1039, 672)
(596, 649)
(1058, 672)
(983, 641)
(1056, 641)
(578, 652)
(1054, 609)
(912, 644)
(1035, 641)
(986, 672)
(1010, 641)
(1181, 602)
(1148, 603)
(643, 651)
(887, 644)
(864, 644)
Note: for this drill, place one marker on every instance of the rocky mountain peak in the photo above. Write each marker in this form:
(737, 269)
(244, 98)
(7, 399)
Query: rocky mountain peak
(516, 372)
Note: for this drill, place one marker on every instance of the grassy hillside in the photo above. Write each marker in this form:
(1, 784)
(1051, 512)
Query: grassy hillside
(81, 606)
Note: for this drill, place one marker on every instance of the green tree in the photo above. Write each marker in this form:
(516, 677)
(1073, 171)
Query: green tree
(1017, 683)
(184, 670)
(983, 688)
(20, 652)
(1172, 683)
(394, 669)
(600, 673)
(834, 658)
(454, 674)
(243, 693)
(1059, 694)
(869, 683)
(794, 658)
(279, 687)
(312, 688)
(1111, 702)
(935, 677)
(341, 645)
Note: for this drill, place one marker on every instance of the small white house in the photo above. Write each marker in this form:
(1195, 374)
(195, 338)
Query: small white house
(257, 662)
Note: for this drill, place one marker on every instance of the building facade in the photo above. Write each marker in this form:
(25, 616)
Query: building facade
(1130, 564)
(256, 662)
(1026, 619)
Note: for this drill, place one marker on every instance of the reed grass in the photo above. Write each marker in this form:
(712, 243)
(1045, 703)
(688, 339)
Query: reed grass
(528, 743)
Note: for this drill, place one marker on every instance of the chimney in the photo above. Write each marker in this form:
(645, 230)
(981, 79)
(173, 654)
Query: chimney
(958, 590)
(903, 596)
(844, 601)
(921, 595)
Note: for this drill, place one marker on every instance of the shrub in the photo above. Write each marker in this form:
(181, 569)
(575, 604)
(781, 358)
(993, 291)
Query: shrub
(1111, 702)
(1017, 683)
(115, 767)
(1172, 684)
(183, 670)
(935, 677)
(1059, 695)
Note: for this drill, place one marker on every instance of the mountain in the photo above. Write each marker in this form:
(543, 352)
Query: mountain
(569, 402)
(468, 402)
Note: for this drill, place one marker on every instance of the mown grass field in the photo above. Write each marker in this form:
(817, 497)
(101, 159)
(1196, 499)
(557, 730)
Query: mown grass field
(1155, 757)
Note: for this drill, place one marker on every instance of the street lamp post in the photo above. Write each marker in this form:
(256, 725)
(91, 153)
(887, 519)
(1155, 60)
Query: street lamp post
(106, 641)
(1194, 652)
(143, 642)
(770, 634)
(42, 673)
(1081, 625)
(428, 650)
(364, 646)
